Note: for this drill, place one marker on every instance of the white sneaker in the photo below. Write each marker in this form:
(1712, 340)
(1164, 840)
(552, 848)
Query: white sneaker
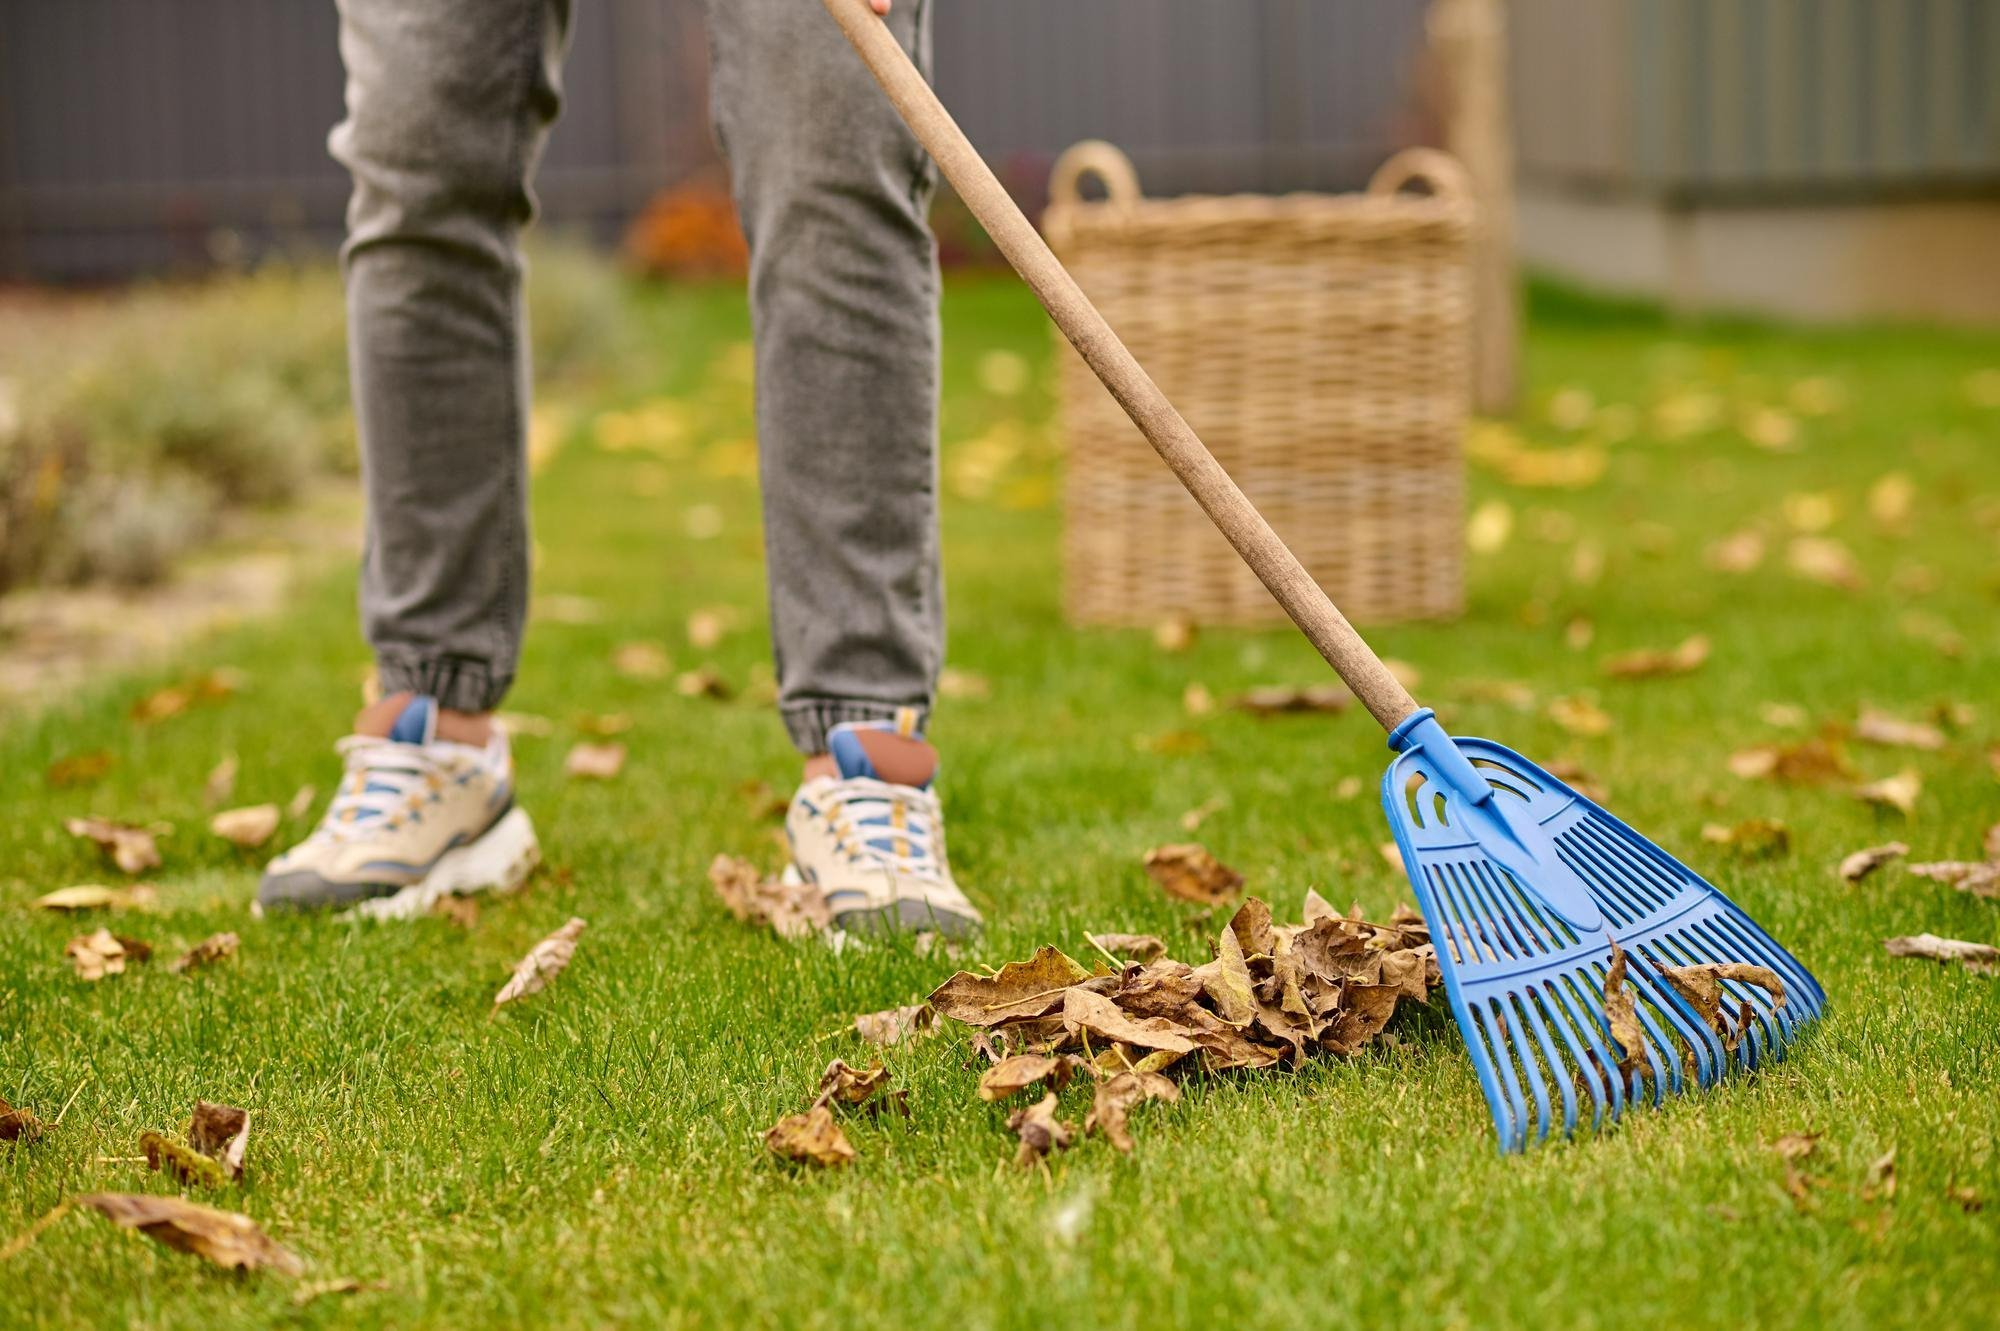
(416, 818)
(875, 847)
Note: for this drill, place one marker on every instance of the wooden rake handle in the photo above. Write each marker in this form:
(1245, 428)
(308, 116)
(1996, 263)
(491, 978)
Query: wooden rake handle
(1278, 568)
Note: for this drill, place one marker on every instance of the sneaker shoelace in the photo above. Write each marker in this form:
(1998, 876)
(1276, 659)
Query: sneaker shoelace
(384, 779)
(895, 828)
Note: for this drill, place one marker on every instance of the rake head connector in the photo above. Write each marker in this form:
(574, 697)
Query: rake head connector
(1531, 893)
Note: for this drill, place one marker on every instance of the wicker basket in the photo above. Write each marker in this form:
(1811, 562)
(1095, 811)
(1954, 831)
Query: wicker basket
(1319, 344)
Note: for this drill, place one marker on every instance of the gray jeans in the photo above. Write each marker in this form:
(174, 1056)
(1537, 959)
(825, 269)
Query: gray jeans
(448, 105)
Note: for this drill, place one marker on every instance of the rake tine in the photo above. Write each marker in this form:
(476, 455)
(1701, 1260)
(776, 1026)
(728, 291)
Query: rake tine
(1559, 1016)
(1515, 1131)
(1553, 1062)
(1709, 1055)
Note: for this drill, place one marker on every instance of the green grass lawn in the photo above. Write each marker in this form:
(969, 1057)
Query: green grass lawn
(592, 1155)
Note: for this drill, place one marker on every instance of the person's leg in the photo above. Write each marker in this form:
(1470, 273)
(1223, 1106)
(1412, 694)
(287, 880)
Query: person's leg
(448, 105)
(833, 192)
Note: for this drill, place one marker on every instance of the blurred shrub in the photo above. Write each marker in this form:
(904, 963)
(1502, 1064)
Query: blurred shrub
(155, 411)
(688, 231)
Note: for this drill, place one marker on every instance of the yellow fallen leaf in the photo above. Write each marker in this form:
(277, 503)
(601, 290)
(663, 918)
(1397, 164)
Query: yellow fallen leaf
(1579, 716)
(1645, 663)
(1898, 792)
(247, 827)
(1490, 525)
(95, 896)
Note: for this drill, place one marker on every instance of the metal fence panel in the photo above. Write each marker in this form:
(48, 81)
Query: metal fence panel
(134, 132)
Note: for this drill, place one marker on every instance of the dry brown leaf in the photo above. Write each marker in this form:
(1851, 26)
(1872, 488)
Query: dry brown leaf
(96, 896)
(1861, 863)
(79, 769)
(301, 801)
(791, 909)
(1196, 700)
(1283, 699)
(892, 1026)
(1808, 762)
(545, 960)
(1982, 879)
(1701, 986)
(247, 827)
(96, 955)
(842, 1084)
(1878, 727)
(596, 762)
(1823, 559)
(1979, 957)
(1753, 838)
(704, 682)
(18, 1125)
(1018, 1072)
(810, 1138)
(212, 948)
(641, 660)
(1621, 1010)
(1117, 1096)
(1898, 792)
(1579, 716)
(1021, 989)
(1039, 1130)
(1966, 1196)
(462, 911)
(1646, 663)
(1098, 1015)
(223, 1237)
(1189, 872)
(221, 783)
(1130, 947)
(222, 1133)
(131, 848)
(212, 686)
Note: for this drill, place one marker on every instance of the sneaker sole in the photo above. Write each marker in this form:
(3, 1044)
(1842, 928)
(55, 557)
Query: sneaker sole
(499, 862)
(907, 917)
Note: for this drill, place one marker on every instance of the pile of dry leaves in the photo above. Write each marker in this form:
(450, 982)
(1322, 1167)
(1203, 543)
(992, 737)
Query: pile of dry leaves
(1270, 994)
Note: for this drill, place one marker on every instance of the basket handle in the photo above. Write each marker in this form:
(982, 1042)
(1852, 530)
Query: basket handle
(1094, 157)
(1178, 445)
(1446, 176)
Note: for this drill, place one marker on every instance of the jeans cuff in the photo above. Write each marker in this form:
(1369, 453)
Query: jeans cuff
(460, 684)
(808, 722)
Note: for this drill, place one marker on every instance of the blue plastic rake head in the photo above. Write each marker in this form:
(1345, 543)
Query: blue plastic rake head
(1525, 884)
